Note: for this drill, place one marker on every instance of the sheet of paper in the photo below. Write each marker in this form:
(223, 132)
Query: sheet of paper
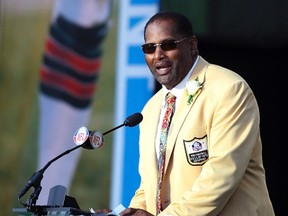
(117, 210)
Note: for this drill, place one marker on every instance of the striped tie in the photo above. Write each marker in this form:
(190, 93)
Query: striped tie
(170, 100)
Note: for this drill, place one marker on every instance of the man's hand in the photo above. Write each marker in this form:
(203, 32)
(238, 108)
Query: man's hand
(135, 212)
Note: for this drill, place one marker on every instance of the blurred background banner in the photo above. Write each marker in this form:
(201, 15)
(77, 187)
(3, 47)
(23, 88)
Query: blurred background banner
(24, 26)
(134, 86)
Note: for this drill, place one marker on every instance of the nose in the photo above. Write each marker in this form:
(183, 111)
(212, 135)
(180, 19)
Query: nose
(159, 53)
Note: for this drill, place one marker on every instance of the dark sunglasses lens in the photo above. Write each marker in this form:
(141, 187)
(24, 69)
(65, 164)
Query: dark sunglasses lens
(148, 48)
(168, 45)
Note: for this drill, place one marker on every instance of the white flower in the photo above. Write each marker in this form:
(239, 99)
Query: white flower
(192, 87)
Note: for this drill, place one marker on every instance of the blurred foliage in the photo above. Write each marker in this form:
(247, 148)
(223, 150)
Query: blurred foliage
(22, 37)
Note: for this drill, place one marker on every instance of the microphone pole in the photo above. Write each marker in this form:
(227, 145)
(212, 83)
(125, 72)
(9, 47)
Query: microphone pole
(35, 179)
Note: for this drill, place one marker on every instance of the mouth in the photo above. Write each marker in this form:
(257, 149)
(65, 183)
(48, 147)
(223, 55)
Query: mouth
(163, 69)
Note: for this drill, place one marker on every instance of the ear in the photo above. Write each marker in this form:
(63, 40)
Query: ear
(193, 45)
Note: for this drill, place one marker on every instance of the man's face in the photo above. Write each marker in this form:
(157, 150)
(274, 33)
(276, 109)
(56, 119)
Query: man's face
(169, 67)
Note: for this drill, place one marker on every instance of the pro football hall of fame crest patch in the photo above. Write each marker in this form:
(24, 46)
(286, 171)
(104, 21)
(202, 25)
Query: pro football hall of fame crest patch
(196, 150)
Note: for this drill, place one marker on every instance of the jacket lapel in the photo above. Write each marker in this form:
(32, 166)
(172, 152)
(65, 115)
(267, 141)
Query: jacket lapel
(183, 109)
(152, 122)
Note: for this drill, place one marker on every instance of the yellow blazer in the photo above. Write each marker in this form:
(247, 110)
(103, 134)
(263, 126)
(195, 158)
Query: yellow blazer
(214, 153)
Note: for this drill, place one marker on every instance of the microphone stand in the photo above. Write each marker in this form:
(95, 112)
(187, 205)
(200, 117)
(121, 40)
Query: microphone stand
(115, 128)
(35, 179)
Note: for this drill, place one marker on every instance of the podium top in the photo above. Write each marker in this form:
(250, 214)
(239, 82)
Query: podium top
(56, 211)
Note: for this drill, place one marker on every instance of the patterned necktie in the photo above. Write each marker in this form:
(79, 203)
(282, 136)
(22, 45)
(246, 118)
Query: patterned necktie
(170, 100)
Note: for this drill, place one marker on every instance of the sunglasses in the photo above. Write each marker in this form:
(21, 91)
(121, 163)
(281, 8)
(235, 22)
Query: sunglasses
(166, 45)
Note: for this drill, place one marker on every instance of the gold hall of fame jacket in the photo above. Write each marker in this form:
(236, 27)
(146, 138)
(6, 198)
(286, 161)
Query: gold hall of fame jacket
(214, 153)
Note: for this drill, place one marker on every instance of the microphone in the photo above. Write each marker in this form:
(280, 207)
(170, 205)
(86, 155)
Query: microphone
(133, 120)
(96, 140)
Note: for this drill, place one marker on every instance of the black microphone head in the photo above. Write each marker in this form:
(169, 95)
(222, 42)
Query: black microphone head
(133, 120)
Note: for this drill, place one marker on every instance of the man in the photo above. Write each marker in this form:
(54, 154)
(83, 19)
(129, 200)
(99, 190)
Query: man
(213, 157)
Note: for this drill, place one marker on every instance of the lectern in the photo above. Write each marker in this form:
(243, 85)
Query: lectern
(59, 203)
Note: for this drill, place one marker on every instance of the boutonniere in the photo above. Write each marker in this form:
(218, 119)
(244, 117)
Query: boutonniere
(192, 88)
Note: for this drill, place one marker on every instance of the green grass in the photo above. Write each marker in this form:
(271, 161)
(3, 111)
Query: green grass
(21, 46)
